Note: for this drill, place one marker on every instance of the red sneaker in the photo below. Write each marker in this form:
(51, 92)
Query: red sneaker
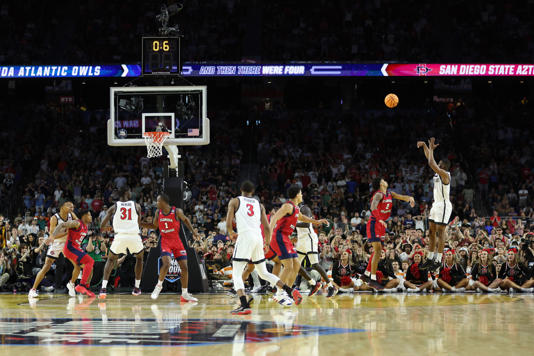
(316, 287)
(80, 288)
(297, 298)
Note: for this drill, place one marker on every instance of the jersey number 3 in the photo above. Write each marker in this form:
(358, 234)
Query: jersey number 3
(250, 208)
(126, 214)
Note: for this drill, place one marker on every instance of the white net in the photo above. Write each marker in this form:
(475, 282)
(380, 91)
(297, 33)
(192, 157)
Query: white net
(154, 143)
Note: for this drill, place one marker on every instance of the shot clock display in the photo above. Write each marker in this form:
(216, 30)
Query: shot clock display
(161, 55)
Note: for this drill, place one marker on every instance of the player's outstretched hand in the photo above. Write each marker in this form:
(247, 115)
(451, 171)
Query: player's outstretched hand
(412, 202)
(421, 144)
(106, 229)
(323, 222)
(432, 143)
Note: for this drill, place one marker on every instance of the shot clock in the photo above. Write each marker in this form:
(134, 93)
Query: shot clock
(161, 55)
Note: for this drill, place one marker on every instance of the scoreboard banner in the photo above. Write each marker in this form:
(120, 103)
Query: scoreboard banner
(326, 69)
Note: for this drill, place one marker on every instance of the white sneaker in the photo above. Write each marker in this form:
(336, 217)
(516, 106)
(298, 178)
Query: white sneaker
(156, 292)
(70, 287)
(283, 299)
(186, 298)
(33, 294)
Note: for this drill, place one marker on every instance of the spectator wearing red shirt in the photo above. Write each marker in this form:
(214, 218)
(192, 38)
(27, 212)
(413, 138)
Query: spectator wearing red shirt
(495, 219)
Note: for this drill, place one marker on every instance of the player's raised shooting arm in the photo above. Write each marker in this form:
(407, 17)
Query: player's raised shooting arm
(425, 147)
(284, 210)
(152, 225)
(432, 163)
(376, 200)
(64, 226)
(180, 215)
(108, 216)
(230, 215)
(265, 223)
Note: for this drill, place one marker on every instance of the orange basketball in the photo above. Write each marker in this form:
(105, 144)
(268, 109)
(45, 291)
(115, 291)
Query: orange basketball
(391, 100)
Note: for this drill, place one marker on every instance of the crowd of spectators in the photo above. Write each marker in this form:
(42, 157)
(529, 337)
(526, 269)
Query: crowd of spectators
(234, 30)
(333, 161)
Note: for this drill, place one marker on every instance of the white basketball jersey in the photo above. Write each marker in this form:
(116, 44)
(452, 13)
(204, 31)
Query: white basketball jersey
(248, 216)
(304, 231)
(441, 191)
(60, 220)
(125, 220)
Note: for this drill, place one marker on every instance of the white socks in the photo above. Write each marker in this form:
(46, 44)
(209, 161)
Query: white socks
(373, 277)
(312, 282)
(184, 290)
(160, 283)
(137, 283)
(104, 284)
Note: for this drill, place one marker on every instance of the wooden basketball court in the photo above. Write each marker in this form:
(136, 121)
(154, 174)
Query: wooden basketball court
(461, 324)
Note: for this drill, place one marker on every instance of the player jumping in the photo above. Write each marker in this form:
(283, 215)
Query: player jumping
(167, 219)
(441, 207)
(381, 204)
(126, 219)
(249, 216)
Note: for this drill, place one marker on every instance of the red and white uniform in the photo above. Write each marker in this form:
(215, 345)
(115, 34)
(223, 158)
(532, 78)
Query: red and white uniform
(281, 244)
(72, 249)
(249, 244)
(375, 230)
(169, 228)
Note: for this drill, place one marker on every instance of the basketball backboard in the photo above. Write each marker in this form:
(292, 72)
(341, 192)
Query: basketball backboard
(179, 110)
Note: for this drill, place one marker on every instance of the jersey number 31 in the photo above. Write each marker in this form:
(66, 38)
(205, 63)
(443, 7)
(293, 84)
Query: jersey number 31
(126, 214)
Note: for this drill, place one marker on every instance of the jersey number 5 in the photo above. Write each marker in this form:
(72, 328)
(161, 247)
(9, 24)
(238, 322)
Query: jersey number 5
(250, 208)
(126, 214)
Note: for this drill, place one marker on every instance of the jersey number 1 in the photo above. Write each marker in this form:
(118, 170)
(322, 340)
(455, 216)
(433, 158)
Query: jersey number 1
(126, 214)
(250, 208)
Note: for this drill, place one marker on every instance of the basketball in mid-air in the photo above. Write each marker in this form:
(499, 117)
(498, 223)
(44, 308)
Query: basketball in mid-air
(391, 100)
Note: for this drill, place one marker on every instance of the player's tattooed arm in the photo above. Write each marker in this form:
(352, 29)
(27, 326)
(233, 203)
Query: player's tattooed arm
(65, 226)
(376, 200)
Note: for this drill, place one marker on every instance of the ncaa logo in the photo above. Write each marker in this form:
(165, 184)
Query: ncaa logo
(422, 69)
(174, 272)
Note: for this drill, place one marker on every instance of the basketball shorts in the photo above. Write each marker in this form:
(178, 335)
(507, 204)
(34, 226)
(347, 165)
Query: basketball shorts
(282, 246)
(249, 248)
(173, 247)
(122, 243)
(375, 231)
(74, 253)
(440, 213)
(55, 249)
(307, 245)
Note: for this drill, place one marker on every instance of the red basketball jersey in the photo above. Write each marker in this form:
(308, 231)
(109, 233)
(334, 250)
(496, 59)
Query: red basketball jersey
(76, 236)
(169, 226)
(288, 223)
(383, 210)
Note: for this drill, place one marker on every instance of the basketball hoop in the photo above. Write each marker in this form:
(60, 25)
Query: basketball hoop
(154, 142)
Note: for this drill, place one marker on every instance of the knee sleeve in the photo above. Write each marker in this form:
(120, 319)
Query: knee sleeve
(237, 274)
(265, 275)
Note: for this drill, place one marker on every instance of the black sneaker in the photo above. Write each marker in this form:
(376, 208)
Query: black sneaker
(374, 284)
(241, 310)
(428, 264)
(332, 291)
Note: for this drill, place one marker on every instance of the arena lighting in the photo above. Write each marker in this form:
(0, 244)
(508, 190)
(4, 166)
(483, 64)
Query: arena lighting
(297, 69)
